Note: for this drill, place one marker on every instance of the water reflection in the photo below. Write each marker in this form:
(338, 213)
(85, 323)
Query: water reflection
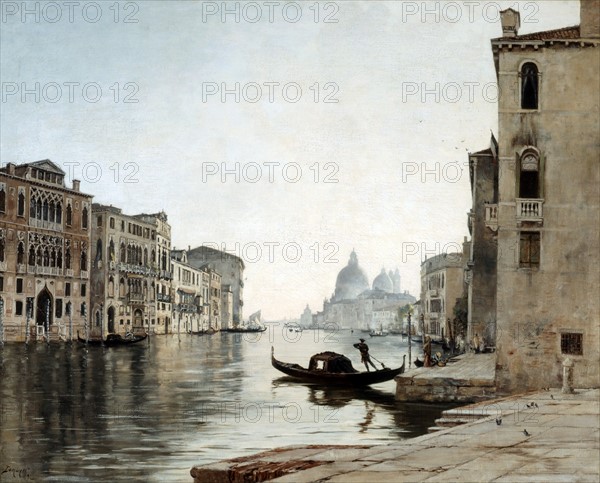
(150, 411)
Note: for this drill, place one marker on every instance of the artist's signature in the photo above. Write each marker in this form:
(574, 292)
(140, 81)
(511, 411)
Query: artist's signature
(10, 472)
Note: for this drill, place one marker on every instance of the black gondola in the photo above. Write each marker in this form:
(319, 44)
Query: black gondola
(113, 340)
(336, 369)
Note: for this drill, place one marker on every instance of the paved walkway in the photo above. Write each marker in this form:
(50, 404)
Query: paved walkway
(542, 436)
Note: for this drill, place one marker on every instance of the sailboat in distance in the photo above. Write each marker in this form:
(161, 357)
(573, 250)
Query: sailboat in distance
(254, 325)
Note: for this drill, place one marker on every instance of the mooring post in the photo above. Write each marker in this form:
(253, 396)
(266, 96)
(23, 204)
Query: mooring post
(567, 387)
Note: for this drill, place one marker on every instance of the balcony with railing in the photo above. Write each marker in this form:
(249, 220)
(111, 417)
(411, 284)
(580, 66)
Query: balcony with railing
(163, 297)
(491, 216)
(41, 270)
(137, 269)
(166, 274)
(45, 225)
(135, 297)
(69, 272)
(85, 274)
(530, 210)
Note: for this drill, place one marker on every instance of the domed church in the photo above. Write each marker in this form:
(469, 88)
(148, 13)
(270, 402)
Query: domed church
(351, 281)
(355, 303)
(383, 282)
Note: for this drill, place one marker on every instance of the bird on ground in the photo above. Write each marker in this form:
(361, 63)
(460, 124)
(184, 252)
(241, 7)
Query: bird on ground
(526, 433)
(551, 396)
(498, 421)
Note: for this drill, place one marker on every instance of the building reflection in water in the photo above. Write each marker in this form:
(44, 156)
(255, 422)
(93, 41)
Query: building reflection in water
(153, 410)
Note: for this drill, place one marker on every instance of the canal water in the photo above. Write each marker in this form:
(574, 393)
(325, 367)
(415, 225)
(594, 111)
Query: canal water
(151, 411)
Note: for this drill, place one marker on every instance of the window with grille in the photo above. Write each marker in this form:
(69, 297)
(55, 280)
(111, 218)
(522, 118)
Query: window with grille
(571, 343)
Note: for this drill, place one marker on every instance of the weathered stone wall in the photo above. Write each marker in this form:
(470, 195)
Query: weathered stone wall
(535, 306)
(482, 316)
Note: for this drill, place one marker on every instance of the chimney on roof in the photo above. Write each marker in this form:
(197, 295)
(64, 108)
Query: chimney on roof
(589, 12)
(10, 168)
(511, 22)
(76, 184)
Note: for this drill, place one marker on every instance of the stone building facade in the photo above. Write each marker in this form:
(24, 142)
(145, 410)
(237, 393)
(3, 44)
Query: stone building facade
(44, 253)
(230, 268)
(547, 211)
(442, 284)
(189, 295)
(164, 272)
(125, 273)
(481, 252)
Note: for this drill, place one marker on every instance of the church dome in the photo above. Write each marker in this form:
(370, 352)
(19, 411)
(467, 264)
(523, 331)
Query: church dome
(383, 282)
(351, 281)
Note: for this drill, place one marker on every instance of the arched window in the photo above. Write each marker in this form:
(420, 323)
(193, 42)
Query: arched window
(83, 260)
(98, 250)
(45, 210)
(32, 205)
(529, 86)
(529, 174)
(46, 258)
(58, 213)
(31, 260)
(59, 259)
(53, 258)
(21, 253)
(21, 205)
(68, 258)
(2, 198)
(123, 253)
(84, 218)
(122, 287)
(111, 251)
(145, 256)
(38, 209)
(1, 249)
(69, 215)
(52, 212)
(111, 286)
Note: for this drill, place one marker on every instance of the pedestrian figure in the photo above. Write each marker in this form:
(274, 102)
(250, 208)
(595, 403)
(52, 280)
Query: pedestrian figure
(364, 354)
(427, 351)
(475, 343)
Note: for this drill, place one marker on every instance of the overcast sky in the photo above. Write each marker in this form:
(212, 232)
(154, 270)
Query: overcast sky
(289, 139)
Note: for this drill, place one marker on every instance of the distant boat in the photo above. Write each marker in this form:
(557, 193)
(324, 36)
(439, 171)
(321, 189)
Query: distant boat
(113, 340)
(209, 331)
(379, 333)
(253, 325)
(243, 329)
(337, 370)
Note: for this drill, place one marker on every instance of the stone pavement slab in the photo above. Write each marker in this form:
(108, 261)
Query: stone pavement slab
(562, 444)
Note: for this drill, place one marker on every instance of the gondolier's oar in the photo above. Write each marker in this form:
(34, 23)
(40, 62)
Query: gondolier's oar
(382, 364)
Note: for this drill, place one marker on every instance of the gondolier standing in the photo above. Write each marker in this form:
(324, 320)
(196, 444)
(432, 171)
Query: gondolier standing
(364, 354)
